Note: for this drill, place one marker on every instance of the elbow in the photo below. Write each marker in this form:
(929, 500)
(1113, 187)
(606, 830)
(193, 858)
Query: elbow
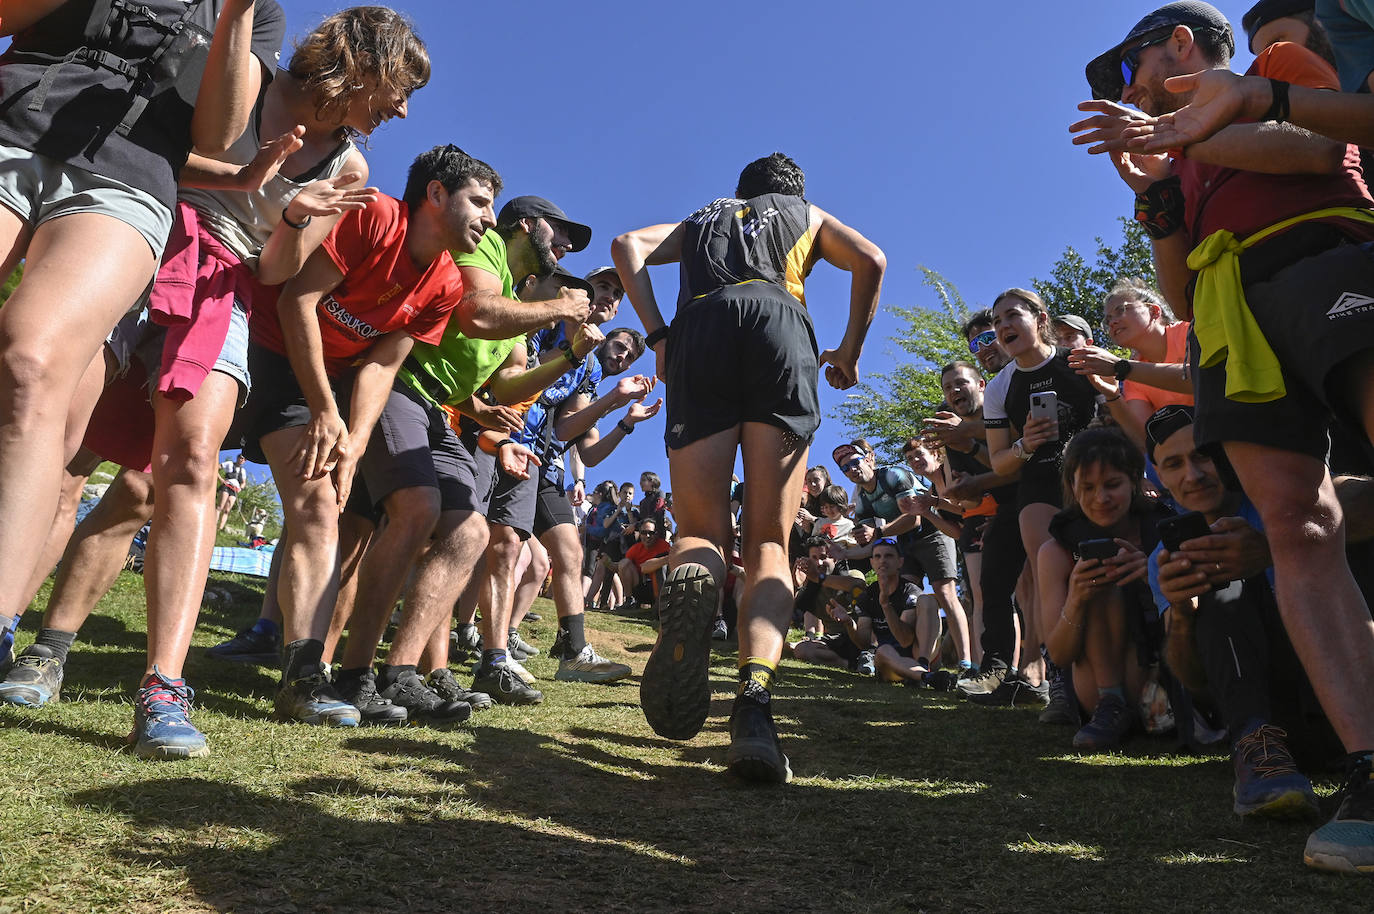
(1331, 159)
(875, 263)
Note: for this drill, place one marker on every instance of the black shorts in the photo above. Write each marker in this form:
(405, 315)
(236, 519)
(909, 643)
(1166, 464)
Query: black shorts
(1315, 313)
(551, 508)
(930, 556)
(901, 651)
(971, 536)
(413, 446)
(276, 401)
(841, 645)
(512, 503)
(1040, 485)
(745, 353)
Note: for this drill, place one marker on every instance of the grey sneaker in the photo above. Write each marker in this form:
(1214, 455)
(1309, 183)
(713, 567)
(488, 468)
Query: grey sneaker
(465, 642)
(446, 685)
(423, 704)
(520, 649)
(34, 679)
(589, 666)
(985, 682)
(720, 632)
(312, 699)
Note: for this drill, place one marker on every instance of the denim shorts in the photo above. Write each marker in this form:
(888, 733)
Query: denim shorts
(137, 336)
(38, 189)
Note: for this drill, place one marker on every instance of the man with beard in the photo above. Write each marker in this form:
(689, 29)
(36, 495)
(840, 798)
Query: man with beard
(1268, 384)
(428, 479)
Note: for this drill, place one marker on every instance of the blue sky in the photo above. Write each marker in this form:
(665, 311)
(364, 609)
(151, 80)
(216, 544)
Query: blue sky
(938, 130)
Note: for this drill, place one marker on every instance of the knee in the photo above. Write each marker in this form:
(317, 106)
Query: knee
(539, 566)
(316, 516)
(1294, 521)
(416, 510)
(190, 461)
(28, 374)
(133, 492)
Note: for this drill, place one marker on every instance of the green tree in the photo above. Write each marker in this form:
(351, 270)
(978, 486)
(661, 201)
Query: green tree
(8, 288)
(1075, 286)
(888, 406)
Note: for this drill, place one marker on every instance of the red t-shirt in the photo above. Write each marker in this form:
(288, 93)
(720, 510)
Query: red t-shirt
(1246, 201)
(381, 290)
(640, 553)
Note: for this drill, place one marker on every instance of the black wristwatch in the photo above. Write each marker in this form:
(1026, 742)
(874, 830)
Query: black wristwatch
(1121, 369)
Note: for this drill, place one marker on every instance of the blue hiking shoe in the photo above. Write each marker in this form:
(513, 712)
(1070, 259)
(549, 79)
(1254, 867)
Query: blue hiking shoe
(34, 679)
(162, 726)
(1346, 843)
(312, 699)
(1268, 783)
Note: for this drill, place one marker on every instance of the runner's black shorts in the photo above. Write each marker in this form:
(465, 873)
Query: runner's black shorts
(744, 353)
(551, 508)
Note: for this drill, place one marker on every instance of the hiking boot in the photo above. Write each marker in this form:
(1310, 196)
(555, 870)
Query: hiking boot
(361, 693)
(719, 631)
(423, 704)
(162, 726)
(248, 646)
(447, 687)
(983, 683)
(34, 679)
(589, 666)
(1013, 690)
(754, 753)
(1063, 707)
(465, 642)
(675, 691)
(1267, 780)
(560, 645)
(1346, 843)
(505, 687)
(312, 699)
(520, 649)
(1110, 723)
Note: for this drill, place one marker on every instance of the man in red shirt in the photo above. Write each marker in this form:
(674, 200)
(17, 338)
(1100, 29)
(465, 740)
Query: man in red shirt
(382, 279)
(1281, 339)
(642, 560)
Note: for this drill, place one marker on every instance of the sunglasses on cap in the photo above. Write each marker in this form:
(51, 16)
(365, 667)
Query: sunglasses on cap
(982, 341)
(886, 541)
(1131, 59)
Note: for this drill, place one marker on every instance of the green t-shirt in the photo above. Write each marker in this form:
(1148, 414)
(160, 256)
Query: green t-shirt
(455, 368)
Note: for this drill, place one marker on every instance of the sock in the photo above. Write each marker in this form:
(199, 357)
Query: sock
(8, 623)
(389, 674)
(1118, 691)
(965, 664)
(923, 662)
(57, 642)
(493, 657)
(266, 627)
(575, 628)
(756, 679)
(303, 656)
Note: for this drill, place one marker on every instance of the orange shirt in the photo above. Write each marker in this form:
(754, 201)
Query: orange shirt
(1175, 351)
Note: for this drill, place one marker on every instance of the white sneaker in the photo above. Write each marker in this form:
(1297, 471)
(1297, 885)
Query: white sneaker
(525, 675)
(589, 666)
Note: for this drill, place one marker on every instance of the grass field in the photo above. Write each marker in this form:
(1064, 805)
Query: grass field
(903, 800)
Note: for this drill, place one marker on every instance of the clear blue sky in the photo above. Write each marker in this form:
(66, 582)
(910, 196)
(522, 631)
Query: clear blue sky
(938, 130)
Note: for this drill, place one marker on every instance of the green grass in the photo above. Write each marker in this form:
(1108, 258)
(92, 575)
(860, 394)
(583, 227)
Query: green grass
(903, 801)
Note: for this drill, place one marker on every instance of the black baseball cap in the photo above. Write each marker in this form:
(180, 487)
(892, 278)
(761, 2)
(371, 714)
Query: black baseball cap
(563, 277)
(1104, 71)
(1266, 11)
(535, 207)
(1162, 426)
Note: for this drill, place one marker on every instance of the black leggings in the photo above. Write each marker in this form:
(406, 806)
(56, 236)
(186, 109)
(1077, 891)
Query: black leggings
(1004, 556)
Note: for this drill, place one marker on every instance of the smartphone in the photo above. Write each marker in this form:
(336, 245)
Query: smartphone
(1045, 405)
(1098, 549)
(1175, 531)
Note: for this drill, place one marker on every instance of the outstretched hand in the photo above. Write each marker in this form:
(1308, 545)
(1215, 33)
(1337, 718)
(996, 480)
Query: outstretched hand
(269, 159)
(1108, 130)
(1219, 97)
(331, 196)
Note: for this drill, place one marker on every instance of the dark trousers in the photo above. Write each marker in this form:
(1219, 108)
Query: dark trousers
(1003, 558)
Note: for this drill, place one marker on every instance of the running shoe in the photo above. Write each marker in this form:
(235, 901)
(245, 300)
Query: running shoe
(34, 679)
(520, 649)
(162, 725)
(1268, 783)
(1346, 843)
(312, 699)
(675, 691)
(754, 753)
(248, 646)
(1110, 723)
(465, 642)
(719, 631)
(982, 683)
(447, 687)
(589, 666)
(505, 687)
(1063, 707)
(361, 692)
(423, 704)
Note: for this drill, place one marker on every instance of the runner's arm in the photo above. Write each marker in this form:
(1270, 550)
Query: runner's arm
(843, 247)
(300, 328)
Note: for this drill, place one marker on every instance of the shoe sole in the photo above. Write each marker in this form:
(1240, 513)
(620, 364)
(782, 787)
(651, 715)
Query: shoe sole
(1333, 863)
(758, 761)
(1060, 717)
(21, 701)
(169, 753)
(325, 719)
(1291, 806)
(594, 678)
(675, 691)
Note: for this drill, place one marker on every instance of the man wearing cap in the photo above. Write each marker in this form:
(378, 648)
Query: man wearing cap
(429, 479)
(1274, 218)
(1071, 331)
(1271, 21)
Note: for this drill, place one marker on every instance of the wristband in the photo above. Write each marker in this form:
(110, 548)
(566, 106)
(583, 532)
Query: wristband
(295, 225)
(1122, 369)
(624, 427)
(651, 339)
(1278, 108)
(503, 442)
(1159, 209)
(573, 358)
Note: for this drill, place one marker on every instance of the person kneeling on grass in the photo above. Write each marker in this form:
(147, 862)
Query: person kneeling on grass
(1093, 569)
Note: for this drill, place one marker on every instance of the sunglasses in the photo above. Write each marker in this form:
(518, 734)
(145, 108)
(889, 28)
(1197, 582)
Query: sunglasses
(982, 341)
(851, 465)
(1131, 59)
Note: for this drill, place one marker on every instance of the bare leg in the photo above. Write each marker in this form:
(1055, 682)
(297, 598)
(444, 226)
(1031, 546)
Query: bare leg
(948, 597)
(50, 328)
(1035, 532)
(355, 532)
(531, 574)
(503, 552)
(974, 563)
(442, 572)
(64, 521)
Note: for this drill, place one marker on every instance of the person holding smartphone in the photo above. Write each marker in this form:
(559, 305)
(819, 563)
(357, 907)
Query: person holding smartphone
(1020, 440)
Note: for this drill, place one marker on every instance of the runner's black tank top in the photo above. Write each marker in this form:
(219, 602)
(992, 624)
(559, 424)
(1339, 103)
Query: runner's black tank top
(763, 239)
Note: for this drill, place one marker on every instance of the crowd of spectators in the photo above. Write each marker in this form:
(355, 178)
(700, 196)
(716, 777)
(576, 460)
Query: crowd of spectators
(1152, 525)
